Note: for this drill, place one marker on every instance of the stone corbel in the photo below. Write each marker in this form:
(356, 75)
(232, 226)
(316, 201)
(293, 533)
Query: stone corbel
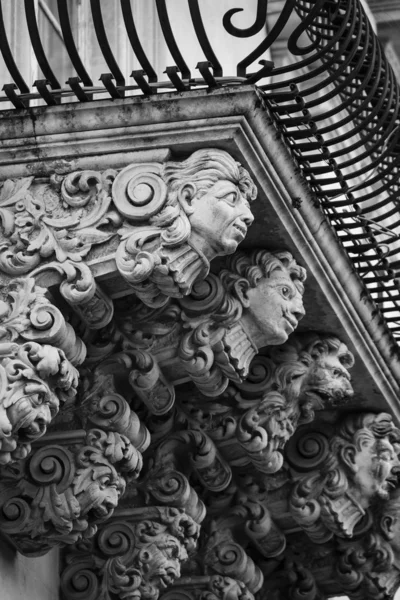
(255, 301)
(178, 217)
(285, 385)
(38, 354)
(350, 469)
(68, 485)
(135, 556)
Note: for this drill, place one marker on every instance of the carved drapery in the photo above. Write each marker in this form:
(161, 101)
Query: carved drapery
(168, 433)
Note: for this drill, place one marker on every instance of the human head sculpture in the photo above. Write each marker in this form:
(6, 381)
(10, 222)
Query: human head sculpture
(268, 287)
(163, 543)
(34, 379)
(367, 446)
(215, 192)
(98, 483)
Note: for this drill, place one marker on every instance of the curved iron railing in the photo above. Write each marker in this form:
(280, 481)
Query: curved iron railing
(335, 102)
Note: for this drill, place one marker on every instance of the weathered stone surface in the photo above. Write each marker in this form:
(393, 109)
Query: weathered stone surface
(202, 448)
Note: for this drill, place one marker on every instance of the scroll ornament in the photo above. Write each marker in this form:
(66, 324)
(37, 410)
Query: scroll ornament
(285, 385)
(356, 468)
(179, 216)
(135, 557)
(38, 351)
(62, 218)
(63, 491)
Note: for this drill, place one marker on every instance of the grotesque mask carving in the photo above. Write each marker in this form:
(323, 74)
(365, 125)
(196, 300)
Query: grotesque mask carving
(64, 503)
(35, 378)
(360, 468)
(147, 552)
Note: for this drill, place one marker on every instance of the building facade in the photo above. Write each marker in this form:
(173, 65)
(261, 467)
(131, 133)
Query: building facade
(199, 318)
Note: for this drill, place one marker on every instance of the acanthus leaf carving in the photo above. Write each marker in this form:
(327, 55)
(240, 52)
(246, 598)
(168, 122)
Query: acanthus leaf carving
(39, 351)
(137, 558)
(61, 493)
(41, 220)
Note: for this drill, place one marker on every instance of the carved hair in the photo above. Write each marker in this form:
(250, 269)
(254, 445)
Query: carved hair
(359, 429)
(307, 347)
(204, 168)
(248, 269)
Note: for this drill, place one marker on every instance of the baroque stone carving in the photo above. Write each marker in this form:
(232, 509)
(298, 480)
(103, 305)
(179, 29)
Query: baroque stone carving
(135, 557)
(61, 218)
(285, 385)
(359, 465)
(38, 351)
(370, 567)
(63, 491)
(209, 587)
(180, 216)
(256, 301)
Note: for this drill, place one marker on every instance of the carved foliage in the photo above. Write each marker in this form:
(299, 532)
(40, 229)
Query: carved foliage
(61, 219)
(134, 558)
(35, 376)
(60, 494)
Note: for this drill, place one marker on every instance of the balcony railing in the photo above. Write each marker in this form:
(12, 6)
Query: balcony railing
(324, 76)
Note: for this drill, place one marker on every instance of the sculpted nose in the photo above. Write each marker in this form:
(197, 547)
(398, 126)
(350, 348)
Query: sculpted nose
(298, 308)
(247, 216)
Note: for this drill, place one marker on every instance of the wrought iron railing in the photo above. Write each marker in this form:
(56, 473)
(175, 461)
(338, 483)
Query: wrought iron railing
(335, 100)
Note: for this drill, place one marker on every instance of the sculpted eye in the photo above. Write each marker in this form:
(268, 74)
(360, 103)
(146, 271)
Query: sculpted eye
(231, 198)
(285, 291)
(105, 482)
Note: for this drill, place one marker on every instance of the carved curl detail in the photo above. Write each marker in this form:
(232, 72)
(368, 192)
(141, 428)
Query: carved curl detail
(62, 492)
(138, 558)
(184, 214)
(35, 376)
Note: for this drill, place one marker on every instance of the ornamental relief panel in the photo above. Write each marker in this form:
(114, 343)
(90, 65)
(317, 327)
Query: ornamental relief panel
(178, 437)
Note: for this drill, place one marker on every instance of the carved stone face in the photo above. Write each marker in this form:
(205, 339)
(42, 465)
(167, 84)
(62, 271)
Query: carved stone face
(275, 308)
(162, 560)
(327, 382)
(102, 492)
(32, 409)
(219, 219)
(375, 468)
(229, 589)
